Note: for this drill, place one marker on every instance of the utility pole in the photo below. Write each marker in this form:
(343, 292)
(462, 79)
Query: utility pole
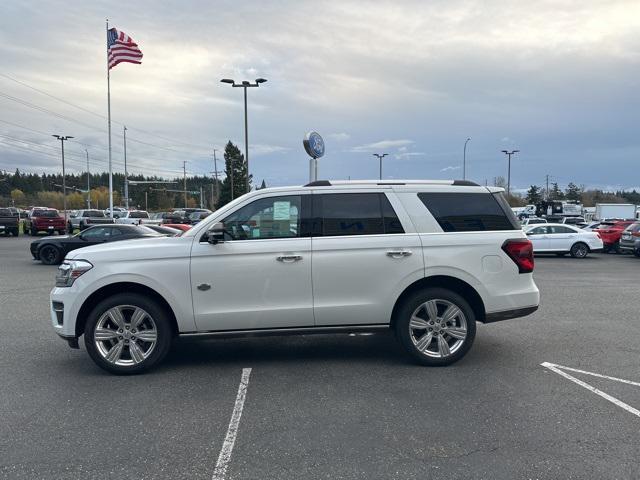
(64, 184)
(201, 204)
(245, 84)
(184, 177)
(146, 208)
(464, 159)
(88, 182)
(546, 192)
(380, 157)
(508, 154)
(126, 178)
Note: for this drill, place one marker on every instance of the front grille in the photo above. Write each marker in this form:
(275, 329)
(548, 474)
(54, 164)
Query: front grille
(58, 308)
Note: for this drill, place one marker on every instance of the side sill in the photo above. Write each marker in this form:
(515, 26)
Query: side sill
(508, 314)
(263, 332)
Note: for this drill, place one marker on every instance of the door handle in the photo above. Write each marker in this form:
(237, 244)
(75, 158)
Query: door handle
(289, 258)
(398, 253)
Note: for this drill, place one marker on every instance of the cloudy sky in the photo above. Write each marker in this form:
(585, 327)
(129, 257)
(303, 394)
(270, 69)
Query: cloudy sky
(559, 80)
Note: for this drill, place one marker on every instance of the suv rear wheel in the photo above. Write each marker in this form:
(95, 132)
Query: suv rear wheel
(127, 333)
(436, 326)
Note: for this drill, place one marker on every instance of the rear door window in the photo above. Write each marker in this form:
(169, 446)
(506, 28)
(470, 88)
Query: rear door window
(354, 214)
(470, 212)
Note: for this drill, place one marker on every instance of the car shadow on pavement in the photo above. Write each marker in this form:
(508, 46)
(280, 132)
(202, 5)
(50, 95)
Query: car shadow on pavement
(378, 347)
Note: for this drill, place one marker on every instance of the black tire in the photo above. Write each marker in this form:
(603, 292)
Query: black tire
(69, 228)
(636, 252)
(50, 255)
(407, 335)
(579, 250)
(33, 232)
(15, 232)
(163, 327)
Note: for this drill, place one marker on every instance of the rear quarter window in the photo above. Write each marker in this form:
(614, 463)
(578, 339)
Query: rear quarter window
(470, 212)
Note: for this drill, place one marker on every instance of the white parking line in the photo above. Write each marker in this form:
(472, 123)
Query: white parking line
(556, 368)
(230, 439)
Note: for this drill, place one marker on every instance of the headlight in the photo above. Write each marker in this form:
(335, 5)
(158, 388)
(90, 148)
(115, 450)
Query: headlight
(70, 270)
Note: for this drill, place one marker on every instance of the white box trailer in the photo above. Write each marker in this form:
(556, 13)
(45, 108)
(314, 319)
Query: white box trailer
(615, 210)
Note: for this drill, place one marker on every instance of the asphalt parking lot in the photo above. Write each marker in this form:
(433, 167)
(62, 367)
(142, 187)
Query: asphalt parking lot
(334, 407)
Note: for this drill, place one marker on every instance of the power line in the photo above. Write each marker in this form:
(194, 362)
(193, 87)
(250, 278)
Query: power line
(99, 115)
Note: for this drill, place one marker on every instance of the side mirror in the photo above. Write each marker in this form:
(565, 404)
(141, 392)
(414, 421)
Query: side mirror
(216, 233)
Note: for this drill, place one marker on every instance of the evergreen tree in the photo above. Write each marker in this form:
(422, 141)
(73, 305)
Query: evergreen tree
(573, 192)
(236, 172)
(533, 195)
(555, 193)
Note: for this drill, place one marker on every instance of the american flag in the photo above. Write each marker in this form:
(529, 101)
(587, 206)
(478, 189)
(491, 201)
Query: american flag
(122, 48)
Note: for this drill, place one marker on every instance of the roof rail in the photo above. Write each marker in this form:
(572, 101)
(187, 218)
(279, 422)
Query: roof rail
(465, 183)
(319, 183)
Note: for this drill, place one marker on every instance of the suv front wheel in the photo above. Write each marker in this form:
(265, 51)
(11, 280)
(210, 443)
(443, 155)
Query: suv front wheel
(127, 333)
(436, 326)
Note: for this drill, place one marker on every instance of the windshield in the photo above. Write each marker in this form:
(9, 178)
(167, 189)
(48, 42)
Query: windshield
(93, 213)
(46, 213)
(139, 214)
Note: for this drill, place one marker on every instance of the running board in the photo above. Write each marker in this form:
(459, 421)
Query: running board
(290, 331)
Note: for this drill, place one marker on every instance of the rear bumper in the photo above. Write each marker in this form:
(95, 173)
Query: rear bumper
(509, 314)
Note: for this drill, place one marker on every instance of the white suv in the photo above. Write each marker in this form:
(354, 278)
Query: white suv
(427, 259)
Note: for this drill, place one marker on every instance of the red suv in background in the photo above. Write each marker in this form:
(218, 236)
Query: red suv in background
(44, 220)
(610, 232)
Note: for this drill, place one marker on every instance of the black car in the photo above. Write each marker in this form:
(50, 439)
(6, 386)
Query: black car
(163, 230)
(52, 250)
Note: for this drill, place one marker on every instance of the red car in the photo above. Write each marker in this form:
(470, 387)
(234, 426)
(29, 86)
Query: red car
(179, 226)
(44, 220)
(610, 232)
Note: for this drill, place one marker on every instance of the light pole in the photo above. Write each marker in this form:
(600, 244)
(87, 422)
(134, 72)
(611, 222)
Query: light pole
(380, 157)
(508, 154)
(88, 181)
(464, 159)
(184, 180)
(245, 84)
(64, 184)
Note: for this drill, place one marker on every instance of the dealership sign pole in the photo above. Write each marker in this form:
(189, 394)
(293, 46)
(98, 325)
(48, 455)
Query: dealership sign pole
(314, 146)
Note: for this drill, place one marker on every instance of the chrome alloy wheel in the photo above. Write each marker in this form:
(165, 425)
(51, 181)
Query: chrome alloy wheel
(438, 328)
(125, 335)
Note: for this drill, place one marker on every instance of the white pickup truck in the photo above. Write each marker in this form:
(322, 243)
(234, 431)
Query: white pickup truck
(135, 217)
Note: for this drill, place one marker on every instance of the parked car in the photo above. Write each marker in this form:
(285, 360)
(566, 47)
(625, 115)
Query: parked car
(562, 239)
(184, 215)
(589, 227)
(577, 221)
(248, 269)
(610, 232)
(81, 219)
(135, 217)
(164, 230)
(180, 226)
(44, 220)
(52, 250)
(9, 222)
(117, 211)
(532, 221)
(196, 217)
(630, 239)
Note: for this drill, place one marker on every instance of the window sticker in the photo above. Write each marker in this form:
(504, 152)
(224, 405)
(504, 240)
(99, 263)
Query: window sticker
(282, 210)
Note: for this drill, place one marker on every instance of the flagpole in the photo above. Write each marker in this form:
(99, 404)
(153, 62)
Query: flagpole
(109, 123)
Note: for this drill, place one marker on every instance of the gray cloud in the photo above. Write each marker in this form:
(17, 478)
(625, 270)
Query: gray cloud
(556, 80)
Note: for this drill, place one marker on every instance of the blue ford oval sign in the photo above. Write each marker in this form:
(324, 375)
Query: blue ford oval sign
(314, 144)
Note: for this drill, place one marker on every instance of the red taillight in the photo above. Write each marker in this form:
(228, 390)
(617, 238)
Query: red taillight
(598, 235)
(521, 252)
